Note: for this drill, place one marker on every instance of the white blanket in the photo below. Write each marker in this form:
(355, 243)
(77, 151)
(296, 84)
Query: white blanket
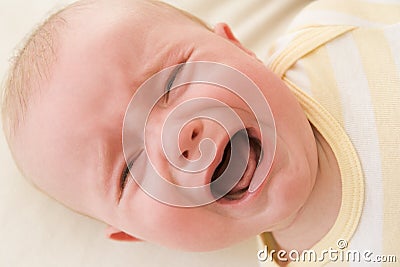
(37, 231)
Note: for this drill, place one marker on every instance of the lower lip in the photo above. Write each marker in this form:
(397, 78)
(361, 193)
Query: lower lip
(245, 198)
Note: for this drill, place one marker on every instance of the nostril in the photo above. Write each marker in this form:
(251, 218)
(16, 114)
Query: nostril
(185, 154)
(195, 133)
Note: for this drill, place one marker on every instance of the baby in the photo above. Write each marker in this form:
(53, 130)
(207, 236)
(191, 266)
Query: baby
(76, 132)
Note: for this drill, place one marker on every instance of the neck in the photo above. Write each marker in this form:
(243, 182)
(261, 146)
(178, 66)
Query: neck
(319, 213)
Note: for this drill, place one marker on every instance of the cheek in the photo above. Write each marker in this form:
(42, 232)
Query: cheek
(193, 229)
(172, 228)
(287, 194)
(295, 193)
(151, 220)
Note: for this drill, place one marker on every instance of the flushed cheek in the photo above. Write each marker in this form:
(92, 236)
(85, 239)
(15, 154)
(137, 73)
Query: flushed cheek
(167, 228)
(189, 229)
(181, 228)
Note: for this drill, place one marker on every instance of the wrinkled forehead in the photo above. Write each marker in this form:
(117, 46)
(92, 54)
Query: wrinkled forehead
(133, 37)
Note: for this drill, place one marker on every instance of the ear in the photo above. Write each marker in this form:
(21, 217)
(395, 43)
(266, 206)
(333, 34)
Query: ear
(223, 30)
(116, 234)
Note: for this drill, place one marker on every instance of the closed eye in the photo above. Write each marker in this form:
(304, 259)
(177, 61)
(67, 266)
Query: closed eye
(124, 178)
(171, 80)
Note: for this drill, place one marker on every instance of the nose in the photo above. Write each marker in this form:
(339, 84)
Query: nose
(189, 139)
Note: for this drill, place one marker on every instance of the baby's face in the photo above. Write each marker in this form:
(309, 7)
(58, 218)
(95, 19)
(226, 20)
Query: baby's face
(71, 143)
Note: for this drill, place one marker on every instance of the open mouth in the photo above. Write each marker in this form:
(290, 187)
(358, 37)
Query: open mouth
(247, 162)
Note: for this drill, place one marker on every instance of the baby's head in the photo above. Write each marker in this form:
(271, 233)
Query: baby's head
(64, 109)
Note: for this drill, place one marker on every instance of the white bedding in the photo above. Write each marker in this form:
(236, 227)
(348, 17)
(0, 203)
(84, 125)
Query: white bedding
(37, 231)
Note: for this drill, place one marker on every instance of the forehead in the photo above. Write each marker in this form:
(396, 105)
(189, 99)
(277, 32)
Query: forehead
(136, 41)
(103, 60)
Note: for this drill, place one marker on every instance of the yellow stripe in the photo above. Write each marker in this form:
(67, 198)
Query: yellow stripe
(350, 169)
(384, 83)
(324, 89)
(306, 41)
(373, 12)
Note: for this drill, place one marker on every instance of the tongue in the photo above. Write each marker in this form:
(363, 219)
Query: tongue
(236, 177)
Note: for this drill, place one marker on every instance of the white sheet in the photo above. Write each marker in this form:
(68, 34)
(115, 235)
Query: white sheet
(37, 231)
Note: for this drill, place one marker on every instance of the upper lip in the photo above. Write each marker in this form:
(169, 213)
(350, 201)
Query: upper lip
(220, 154)
(218, 157)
